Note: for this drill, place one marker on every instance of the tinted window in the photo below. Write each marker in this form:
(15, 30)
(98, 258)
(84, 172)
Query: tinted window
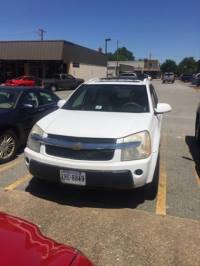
(109, 98)
(46, 98)
(30, 98)
(154, 97)
(7, 99)
(56, 76)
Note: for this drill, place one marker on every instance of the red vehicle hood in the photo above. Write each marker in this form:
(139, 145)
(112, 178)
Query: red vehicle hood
(23, 244)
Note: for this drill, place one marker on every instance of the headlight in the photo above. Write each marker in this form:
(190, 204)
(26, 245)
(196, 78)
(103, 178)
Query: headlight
(141, 149)
(33, 143)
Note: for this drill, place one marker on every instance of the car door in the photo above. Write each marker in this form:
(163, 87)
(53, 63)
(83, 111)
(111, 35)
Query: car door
(157, 120)
(70, 81)
(28, 109)
(47, 102)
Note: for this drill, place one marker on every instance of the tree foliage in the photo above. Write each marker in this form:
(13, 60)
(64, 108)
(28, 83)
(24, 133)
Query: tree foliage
(169, 66)
(188, 66)
(121, 54)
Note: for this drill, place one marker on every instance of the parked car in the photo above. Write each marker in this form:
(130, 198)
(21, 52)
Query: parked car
(128, 74)
(26, 81)
(197, 125)
(20, 108)
(22, 244)
(196, 79)
(106, 135)
(186, 77)
(61, 81)
(168, 77)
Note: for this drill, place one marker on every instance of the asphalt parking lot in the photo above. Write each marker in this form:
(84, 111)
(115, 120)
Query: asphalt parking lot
(120, 227)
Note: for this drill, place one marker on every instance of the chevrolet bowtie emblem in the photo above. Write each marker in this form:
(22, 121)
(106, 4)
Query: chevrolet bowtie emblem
(77, 146)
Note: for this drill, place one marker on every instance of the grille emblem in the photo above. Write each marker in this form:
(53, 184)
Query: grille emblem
(77, 146)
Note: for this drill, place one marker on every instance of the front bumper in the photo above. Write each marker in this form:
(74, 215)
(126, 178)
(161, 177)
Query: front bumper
(108, 174)
(104, 179)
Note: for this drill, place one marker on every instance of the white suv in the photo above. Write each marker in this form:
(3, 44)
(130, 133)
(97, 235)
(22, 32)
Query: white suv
(106, 135)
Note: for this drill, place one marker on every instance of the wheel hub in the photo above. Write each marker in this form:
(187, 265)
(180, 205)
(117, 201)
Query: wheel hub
(7, 146)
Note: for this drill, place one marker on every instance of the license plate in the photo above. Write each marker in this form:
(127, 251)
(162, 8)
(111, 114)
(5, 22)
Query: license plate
(73, 177)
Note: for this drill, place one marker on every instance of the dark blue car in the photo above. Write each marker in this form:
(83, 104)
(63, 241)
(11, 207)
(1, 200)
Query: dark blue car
(20, 108)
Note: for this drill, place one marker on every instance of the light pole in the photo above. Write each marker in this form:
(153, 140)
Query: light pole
(106, 41)
(117, 68)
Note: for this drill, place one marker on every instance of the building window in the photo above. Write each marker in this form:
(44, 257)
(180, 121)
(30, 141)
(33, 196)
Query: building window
(75, 64)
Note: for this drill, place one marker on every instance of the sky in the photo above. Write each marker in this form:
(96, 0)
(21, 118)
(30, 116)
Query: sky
(165, 29)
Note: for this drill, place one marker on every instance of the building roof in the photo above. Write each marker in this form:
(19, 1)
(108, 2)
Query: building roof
(58, 50)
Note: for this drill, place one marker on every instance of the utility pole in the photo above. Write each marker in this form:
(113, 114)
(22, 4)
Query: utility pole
(41, 34)
(106, 40)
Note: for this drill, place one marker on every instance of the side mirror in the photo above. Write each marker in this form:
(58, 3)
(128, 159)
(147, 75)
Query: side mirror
(162, 108)
(60, 103)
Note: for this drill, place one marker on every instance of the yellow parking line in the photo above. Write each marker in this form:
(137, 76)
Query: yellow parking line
(10, 165)
(162, 191)
(197, 177)
(162, 184)
(18, 182)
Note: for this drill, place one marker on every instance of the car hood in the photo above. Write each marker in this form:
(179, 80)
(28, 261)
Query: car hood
(23, 244)
(95, 124)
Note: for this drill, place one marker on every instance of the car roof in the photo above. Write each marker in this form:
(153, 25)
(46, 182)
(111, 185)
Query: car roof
(20, 88)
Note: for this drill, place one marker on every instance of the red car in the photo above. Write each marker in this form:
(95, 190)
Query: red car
(23, 244)
(28, 81)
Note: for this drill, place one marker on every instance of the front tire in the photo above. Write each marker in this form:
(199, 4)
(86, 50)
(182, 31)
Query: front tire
(197, 130)
(151, 189)
(8, 146)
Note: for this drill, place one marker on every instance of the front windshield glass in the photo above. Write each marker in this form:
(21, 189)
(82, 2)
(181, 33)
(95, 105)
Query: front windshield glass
(109, 98)
(7, 99)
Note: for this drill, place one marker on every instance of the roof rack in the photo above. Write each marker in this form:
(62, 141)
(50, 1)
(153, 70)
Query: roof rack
(125, 78)
(92, 80)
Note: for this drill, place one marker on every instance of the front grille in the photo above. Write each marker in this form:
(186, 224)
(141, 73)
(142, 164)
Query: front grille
(82, 154)
(91, 155)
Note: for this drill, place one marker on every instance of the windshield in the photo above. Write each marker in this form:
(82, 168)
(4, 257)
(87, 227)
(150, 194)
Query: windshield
(109, 98)
(7, 99)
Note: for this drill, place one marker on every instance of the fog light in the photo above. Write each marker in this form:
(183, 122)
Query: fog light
(138, 172)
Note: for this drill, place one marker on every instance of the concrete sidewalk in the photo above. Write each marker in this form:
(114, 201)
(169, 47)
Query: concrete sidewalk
(111, 236)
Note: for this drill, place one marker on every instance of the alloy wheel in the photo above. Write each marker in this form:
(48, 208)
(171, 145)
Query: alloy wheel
(7, 146)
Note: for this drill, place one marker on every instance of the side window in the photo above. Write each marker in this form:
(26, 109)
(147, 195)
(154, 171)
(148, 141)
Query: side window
(30, 98)
(63, 77)
(46, 98)
(154, 97)
(69, 77)
(80, 99)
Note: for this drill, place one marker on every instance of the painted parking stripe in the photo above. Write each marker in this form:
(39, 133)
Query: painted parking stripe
(162, 189)
(18, 182)
(162, 185)
(197, 177)
(10, 165)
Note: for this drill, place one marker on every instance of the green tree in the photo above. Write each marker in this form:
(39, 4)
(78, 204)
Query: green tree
(198, 66)
(169, 66)
(121, 54)
(188, 65)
